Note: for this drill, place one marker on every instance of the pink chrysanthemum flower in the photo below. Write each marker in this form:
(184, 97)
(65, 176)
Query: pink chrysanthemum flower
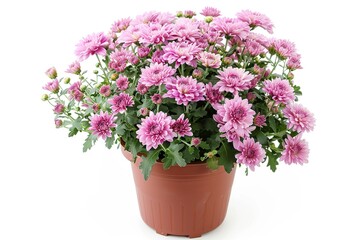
(142, 88)
(120, 25)
(253, 48)
(255, 19)
(74, 68)
(195, 141)
(155, 130)
(120, 103)
(156, 74)
(59, 108)
(143, 52)
(101, 125)
(296, 150)
(210, 12)
(280, 90)
(181, 53)
(105, 90)
(157, 57)
(189, 13)
(231, 27)
(293, 62)
(58, 123)
(235, 115)
(233, 80)
(119, 59)
(251, 153)
(210, 60)
(156, 98)
(92, 44)
(75, 92)
(144, 111)
(185, 90)
(52, 86)
(122, 83)
(213, 95)
(182, 127)
(155, 33)
(283, 48)
(186, 29)
(300, 118)
(260, 120)
(51, 73)
(131, 35)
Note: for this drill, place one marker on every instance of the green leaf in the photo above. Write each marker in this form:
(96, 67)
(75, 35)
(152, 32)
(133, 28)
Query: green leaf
(213, 163)
(272, 160)
(73, 131)
(135, 147)
(173, 156)
(261, 137)
(199, 112)
(148, 162)
(89, 142)
(77, 124)
(120, 129)
(109, 142)
(227, 156)
(190, 154)
(204, 145)
(272, 123)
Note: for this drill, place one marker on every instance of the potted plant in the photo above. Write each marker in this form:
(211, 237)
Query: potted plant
(186, 99)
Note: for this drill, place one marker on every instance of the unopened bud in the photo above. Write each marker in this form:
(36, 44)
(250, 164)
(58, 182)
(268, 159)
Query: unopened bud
(51, 73)
(227, 60)
(179, 14)
(114, 76)
(67, 80)
(58, 123)
(144, 111)
(45, 97)
(82, 88)
(197, 73)
(195, 141)
(95, 71)
(209, 19)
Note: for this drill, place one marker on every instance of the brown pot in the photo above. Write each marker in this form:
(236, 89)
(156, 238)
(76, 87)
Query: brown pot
(182, 201)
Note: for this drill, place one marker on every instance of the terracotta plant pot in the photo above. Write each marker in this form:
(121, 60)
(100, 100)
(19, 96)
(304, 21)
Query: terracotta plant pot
(182, 201)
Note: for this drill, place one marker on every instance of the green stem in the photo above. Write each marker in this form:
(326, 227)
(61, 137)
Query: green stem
(103, 69)
(182, 70)
(207, 104)
(187, 144)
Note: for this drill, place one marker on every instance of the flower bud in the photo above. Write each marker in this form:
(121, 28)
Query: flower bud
(97, 65)
(290, 76)
(251, 96)
(227, 60)
(81, 77)
(156, 98)
(197, 73)
(45, 97)
(51, 73)
(189, 14)
(82, 88)
(114, 76)
(209, 19)
(58, 123)
(144, 111)
(95, 71)
(67, 80)
(59, 108)
(195, 141)
(179, 14)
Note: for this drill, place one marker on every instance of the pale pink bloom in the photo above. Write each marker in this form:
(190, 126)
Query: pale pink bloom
(195, 141)
(157, 57)
(101, 124)
(255, 19)
(105, 90)
(260, 120)
(119, 59)
(75, 92)
(231, 27)
(186, 29)
(58, 123)
(213, 95)
(210, 12)
(253, 48)
(300, 118)
(74, 68)
(280, 90)
(189, 14)
(251, 153)
(143, 52)
(181, 53)
(131, 35)
(155, 33)
(92, 44)
(145, 18)
(233, 80)
(120, 103)
(197, 73)
(182, 126)
(52, 86)
(235, 115)
(296, 150)
(294, 62)
(59, 108)
(156, 74)
(165, 18)
(142, 88)
(144, 111)
(51, 73)
(155, 130)
(283, 48)
(120, 25)
(210, 60)
(185, 90)
(156, 98)
(122, 83)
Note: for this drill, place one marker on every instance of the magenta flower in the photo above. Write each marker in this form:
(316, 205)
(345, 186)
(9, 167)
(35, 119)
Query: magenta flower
(92, 44)
(122, 83)
(253, 48)
(181, 53)
(280, 90)
(157, 57)
(59, 108)
(195, 141)
(143, 52)
(293, 62)
(144, 111)
(58, 123)
(182, 127)
(210, 12)
(210, 60)
(233, 80)
(156, 98)
(283, 48)
(235, 115)
(119, 59)
(75, 92)
(156, 74)
(142, 88)
(296, 150)
(51, 73)
(185, 90)
(74, 68)
(120, 103)
(213, 95)
(155, 33)
(260, 120)
(101, 124)
(251, 153)
(155, 130)
(105, 90)
(186, 29)
(231, 27)
(300, 119)
(120, 25)
(52, 86)
(255, 19)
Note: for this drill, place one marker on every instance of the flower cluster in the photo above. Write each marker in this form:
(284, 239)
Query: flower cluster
(181, 89)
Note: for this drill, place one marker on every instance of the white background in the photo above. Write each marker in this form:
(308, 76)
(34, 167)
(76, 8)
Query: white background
(49, 189)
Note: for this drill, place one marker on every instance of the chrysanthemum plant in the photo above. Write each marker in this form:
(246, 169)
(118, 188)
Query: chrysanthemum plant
(177, 89)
